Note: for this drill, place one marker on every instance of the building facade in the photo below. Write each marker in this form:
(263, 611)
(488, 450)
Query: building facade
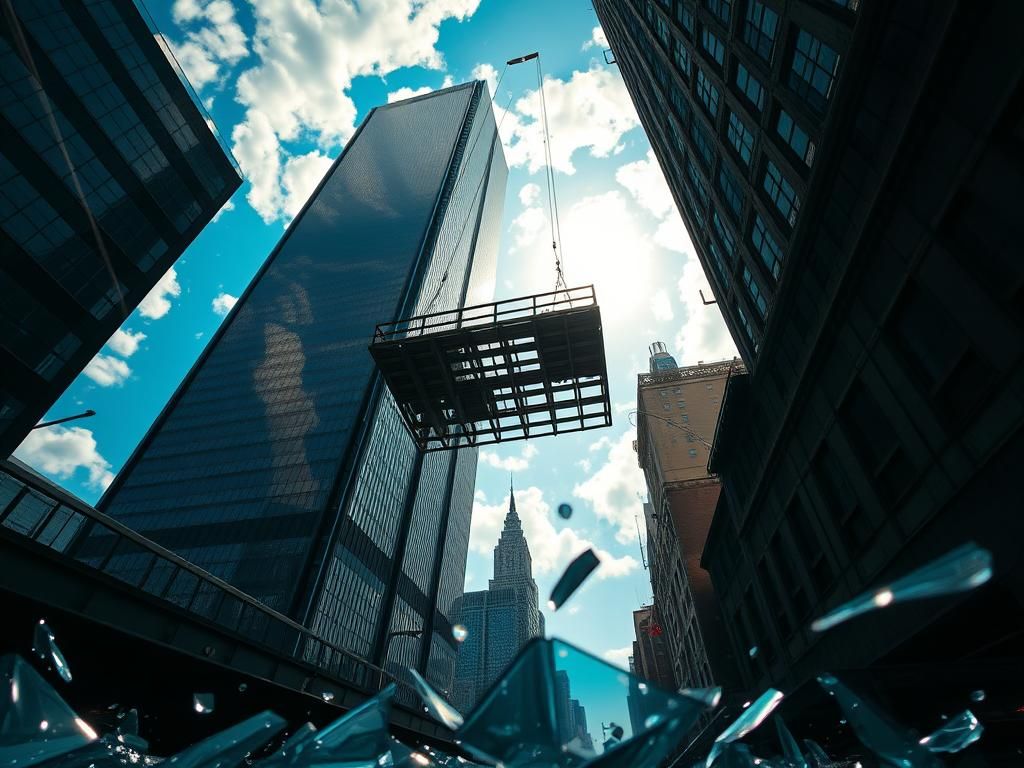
(872, 155)
(677, 410)
(282, 464)
(108, 170)
(499, 620)
(651, 657)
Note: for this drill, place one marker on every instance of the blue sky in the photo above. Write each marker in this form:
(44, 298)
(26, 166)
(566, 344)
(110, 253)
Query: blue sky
(286, 82)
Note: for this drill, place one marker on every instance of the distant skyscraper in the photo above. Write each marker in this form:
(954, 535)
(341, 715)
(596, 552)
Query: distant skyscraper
(282, 464)
(108, 170)
(500, 619)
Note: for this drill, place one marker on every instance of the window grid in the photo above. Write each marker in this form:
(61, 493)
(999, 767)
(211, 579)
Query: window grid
(795, 137)
(741, 138)
(781, 193)
(681, 57)
(730, 189)
(760, 28)
(757, 297)
(722, 9)
(750, 87)
(715, 48)
(708, 93)
(765, 245)
(813, 70)
(724, 235)
(685, 17)
(702, 143)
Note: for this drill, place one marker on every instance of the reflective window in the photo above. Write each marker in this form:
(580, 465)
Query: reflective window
(748, 329)
(795, 137)
(813, 71)
(701, 140)
(766, 246)
(681, 57)
(781, 193)
(730, 189)
(708, 93)
(684, 14)
(757, 298)
(760, 29)
(722, 9)
(740, 137)
(750, 87)
(715, 48)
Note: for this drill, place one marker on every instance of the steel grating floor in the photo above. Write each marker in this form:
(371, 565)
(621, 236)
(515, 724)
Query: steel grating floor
(492, 373)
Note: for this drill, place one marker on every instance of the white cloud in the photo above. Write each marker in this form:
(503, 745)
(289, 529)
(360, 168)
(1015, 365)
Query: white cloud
(300, 177)
(61, 451)
(308, 55)
(107, 370)
(646, 183)
(661, 306)
(529, 195)
(157, 304)
(702, 333)
(408, 93)
(222, 303)
(509, 463)
(527, 227)
(551, 549)
(488, 73)
(125, 342)
(228, 206)
(584, 464)
(213, 38)
(612, 490)
(597, 37)
(619, 656)
(592, 110)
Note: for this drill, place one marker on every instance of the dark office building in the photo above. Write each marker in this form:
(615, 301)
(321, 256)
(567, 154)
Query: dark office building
(108, 170)
(282, 464)
(852, 177)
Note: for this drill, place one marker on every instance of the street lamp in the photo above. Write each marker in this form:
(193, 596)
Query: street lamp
(390, 637)
(84, 415)
(702, 440)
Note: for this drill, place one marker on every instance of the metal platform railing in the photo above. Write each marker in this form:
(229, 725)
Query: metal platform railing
(483, 315)
(33, 508)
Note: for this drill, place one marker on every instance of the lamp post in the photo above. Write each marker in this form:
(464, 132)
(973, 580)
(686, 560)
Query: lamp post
(83, 415)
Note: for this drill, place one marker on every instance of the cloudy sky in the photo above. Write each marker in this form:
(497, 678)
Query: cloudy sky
(287, 82)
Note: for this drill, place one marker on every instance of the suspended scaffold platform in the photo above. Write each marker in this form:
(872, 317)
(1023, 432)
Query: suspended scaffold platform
(492, 373)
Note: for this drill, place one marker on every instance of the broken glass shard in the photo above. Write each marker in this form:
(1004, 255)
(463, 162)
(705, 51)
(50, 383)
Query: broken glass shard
(709, 697)
(564, 511)
(435, 703)
(790, 749)
(752, 653)
(874, 729)
(546, 706)
(958, 732)
(230, 747)
(749, 719)
(573, 576)
(203, 703)
(45, 646)
(35, 722)
(961, 570)
(459, 633)
(242, 687)
(327, 696)
(819, 757)
(978, 695)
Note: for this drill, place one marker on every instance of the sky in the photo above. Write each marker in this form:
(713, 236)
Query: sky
(286, 83)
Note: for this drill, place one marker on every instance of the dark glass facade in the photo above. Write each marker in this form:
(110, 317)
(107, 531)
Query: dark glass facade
(282, 464)
(880, 425)
(108, 170)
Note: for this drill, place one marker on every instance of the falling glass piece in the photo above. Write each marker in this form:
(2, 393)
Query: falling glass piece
(790, 749)
(553, 697)
(709, 697)
(978, 695)
(752, 653)
(203, 703)
(435, 703)
(45, 647)
(327, 696)
(749, 719)
(459, 633)
(573, 576)
(958, 732)
(243, 687)
(564, 511)
(228, 748)
(35, 722)
(961, 570)
(886, 739)
(819, 757)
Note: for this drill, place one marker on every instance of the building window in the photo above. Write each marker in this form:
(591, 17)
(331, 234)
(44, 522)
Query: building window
(754, 291)
(681, 403)
(750, 87)
(666, 406)
(685, 418)
(722, 9)
(760, 29)
(852, 5)
(703, 145)
(748, 329)
(728, 241)
(714, 46)
(661, 28)
(781, 192)
(876, 444)
(741, 138)
(795, 137)
(718, 262)
(692, 452)
(689, 437)
(685, 17)
(707, 93)
(681, 105)
(731, 191)
(813, 71)
(765, 245)
(681, 56)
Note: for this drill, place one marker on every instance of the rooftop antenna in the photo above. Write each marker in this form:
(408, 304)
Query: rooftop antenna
(640, 540)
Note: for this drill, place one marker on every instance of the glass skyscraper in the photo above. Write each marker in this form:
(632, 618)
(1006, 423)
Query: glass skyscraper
(282, 464)
(108, 170)
(499, 620)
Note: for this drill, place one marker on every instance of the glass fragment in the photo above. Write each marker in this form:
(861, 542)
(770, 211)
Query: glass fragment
(955, 734)
(577, 572)
(45, 647)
